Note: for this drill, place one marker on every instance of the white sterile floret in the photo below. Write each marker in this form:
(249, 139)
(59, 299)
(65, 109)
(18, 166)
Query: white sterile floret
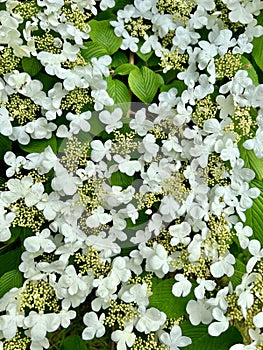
(150, 320)
(243, 234)
(126, 165)
(182, 287)
(222, 324)
(6, 128)
(199, 312)
(98, 217)
(119, 271)
(95, 327)
(5, 224)
(40, 128)
(256, 251)
(224, 266)
(124, 337)
(63, 182)
(79, 122)
(140, 123)
(40, 241)
(100, 150)
(137, 293)
(10, 322)
(105, 4)
(111, 120)
(15, 163)
(157, 259)
(180, 233)
(203, 286)
(148, 147)
(24, 188)
(175, 339)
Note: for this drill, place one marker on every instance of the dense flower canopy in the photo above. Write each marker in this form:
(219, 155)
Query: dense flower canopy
(131, 136)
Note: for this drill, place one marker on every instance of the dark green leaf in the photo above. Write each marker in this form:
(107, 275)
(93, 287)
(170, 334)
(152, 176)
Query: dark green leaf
(246, 65)
(240, 269)
(73, 342)
(120, 94)
(9, 280)
(254, 214)
(202, 340)
(103, 33)
(120, 179)
(5, 145)
(119, 58)
(31, 65)
(257, 52)
(164, 300)
(93, 50)
(178, 84)
(252, 162)
(37, 146)
(10, 260)
(125, 69)
(144, 83)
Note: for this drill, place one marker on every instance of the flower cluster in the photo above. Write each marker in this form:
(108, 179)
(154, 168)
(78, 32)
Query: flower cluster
(105, 191)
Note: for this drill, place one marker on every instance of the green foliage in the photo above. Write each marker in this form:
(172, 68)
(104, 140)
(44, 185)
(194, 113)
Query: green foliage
(144, 83)
(240, 269)
(103, 33)
(164, 300)
(120, 179)
(5, 145)
(120, 94)
(93, 50)
(9, 280)
(202, 340)
(246, 65)
(10, 260)
(252, 162)
(119, 58)
(254, 214)
(257, 52)
(125, 69)
(38, 146)
(31, 65)
(73, 342)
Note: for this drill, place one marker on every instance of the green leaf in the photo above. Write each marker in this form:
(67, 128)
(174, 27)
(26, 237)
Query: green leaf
(164, 300)
(10, 260)
(103, 33)
(254, 214)
(73, 342)
(178, 84)
(144, 56)
(9, 280)
(119, 58)
(202, 340)
(144, 83)
(240, 269)
(31, 65)
(246, 65)
(5, 145)
(38, 146)
(120, 94)
(252, 162)
(93, 50)
(120, 179)
(125, 69)
(257, 52)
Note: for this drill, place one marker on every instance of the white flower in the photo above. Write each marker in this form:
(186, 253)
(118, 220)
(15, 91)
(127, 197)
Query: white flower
(148, 147)
(6, 128)
(95, 327)
(180, 233)
(255, 249)
(9, 323)
(79, 122)
(124, 338)
(40, 241)
(182, 287)
(63, 182)
(175, 340)
(14, 162)
(139, 123)
(198, 312)
(137, 293)
(258, 320)
(216, 328)
(126, 165)
(112, 120)
(150, 320)
(100, 150)
(5, 223)
(224, 266)
(157, 259)
(40, 323)
(243, 232)
(98, 217)
(203, 286)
